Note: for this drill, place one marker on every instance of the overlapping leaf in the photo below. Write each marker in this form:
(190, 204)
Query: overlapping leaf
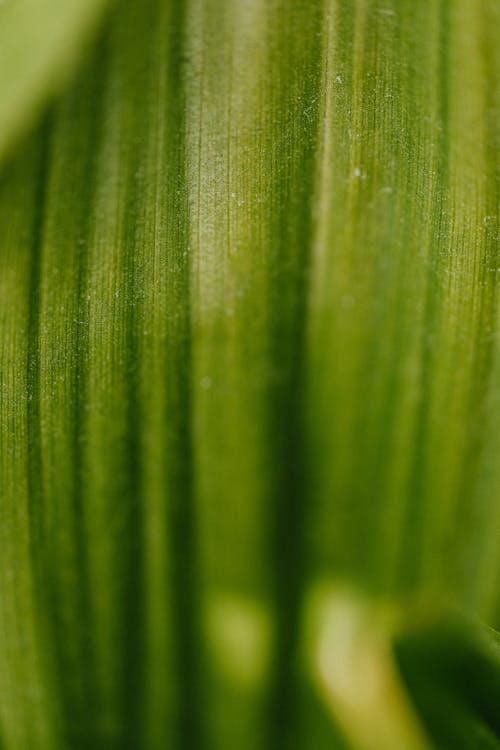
(40, 41)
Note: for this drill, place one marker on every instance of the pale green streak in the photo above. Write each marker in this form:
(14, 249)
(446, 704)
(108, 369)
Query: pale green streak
(229, 192)
(252, 97)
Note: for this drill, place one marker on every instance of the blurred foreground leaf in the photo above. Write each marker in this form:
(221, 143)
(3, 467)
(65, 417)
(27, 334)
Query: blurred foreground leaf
(413, 677)
(40, 41)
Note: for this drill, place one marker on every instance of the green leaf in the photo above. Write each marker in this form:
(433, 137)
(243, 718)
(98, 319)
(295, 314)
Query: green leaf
(39, 43)
(249, 341)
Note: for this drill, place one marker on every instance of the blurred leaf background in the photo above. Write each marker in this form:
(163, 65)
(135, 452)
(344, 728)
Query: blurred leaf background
(250, 374)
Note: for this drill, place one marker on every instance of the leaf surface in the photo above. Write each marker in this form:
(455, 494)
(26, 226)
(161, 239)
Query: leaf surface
(249, 341)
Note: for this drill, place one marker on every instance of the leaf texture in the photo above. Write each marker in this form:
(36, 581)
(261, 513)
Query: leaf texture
(249, 340)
